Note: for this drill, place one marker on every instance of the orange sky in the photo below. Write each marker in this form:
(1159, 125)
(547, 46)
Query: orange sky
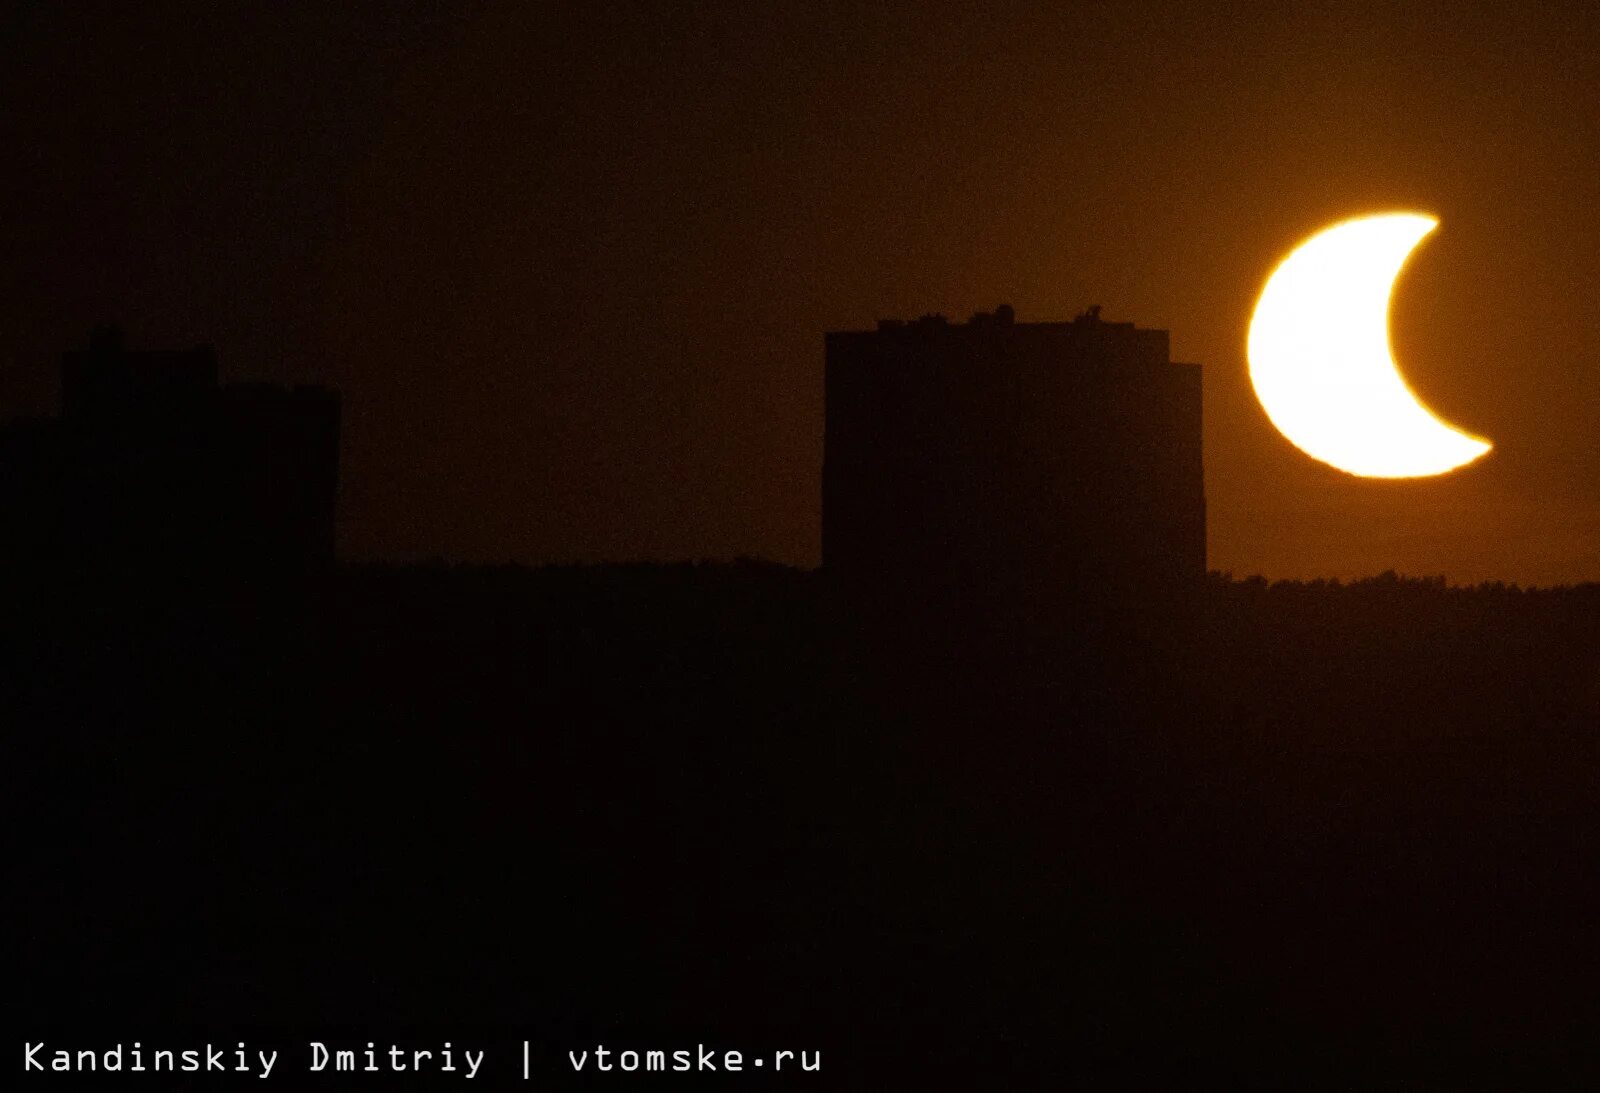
(572, 271)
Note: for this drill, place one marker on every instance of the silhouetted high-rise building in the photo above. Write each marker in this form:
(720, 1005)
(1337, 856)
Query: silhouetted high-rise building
(995, 464)
(155, 466)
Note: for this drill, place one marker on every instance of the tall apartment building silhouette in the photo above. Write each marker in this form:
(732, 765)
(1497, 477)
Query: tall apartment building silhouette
(155, 466)
(996, 465)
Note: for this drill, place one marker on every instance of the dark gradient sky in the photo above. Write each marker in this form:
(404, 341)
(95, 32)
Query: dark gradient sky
(571, 268)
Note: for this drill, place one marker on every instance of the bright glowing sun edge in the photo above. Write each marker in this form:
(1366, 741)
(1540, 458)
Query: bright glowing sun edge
(1321, 363)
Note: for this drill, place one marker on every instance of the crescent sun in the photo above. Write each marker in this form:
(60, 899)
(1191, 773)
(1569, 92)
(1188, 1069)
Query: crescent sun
(1321, 364)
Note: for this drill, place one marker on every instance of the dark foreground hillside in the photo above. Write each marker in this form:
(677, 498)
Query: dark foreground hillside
(1278, 834)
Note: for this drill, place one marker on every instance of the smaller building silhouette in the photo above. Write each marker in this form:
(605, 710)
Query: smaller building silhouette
(154, 466)
(994, 466)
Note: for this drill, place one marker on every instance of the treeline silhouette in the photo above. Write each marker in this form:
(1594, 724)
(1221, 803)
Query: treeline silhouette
(1274, 832)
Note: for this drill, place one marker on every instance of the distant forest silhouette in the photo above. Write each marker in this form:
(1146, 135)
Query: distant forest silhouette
(1290, 829)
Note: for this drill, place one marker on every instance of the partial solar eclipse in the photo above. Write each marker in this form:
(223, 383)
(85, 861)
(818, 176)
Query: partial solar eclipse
(1320, 360)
